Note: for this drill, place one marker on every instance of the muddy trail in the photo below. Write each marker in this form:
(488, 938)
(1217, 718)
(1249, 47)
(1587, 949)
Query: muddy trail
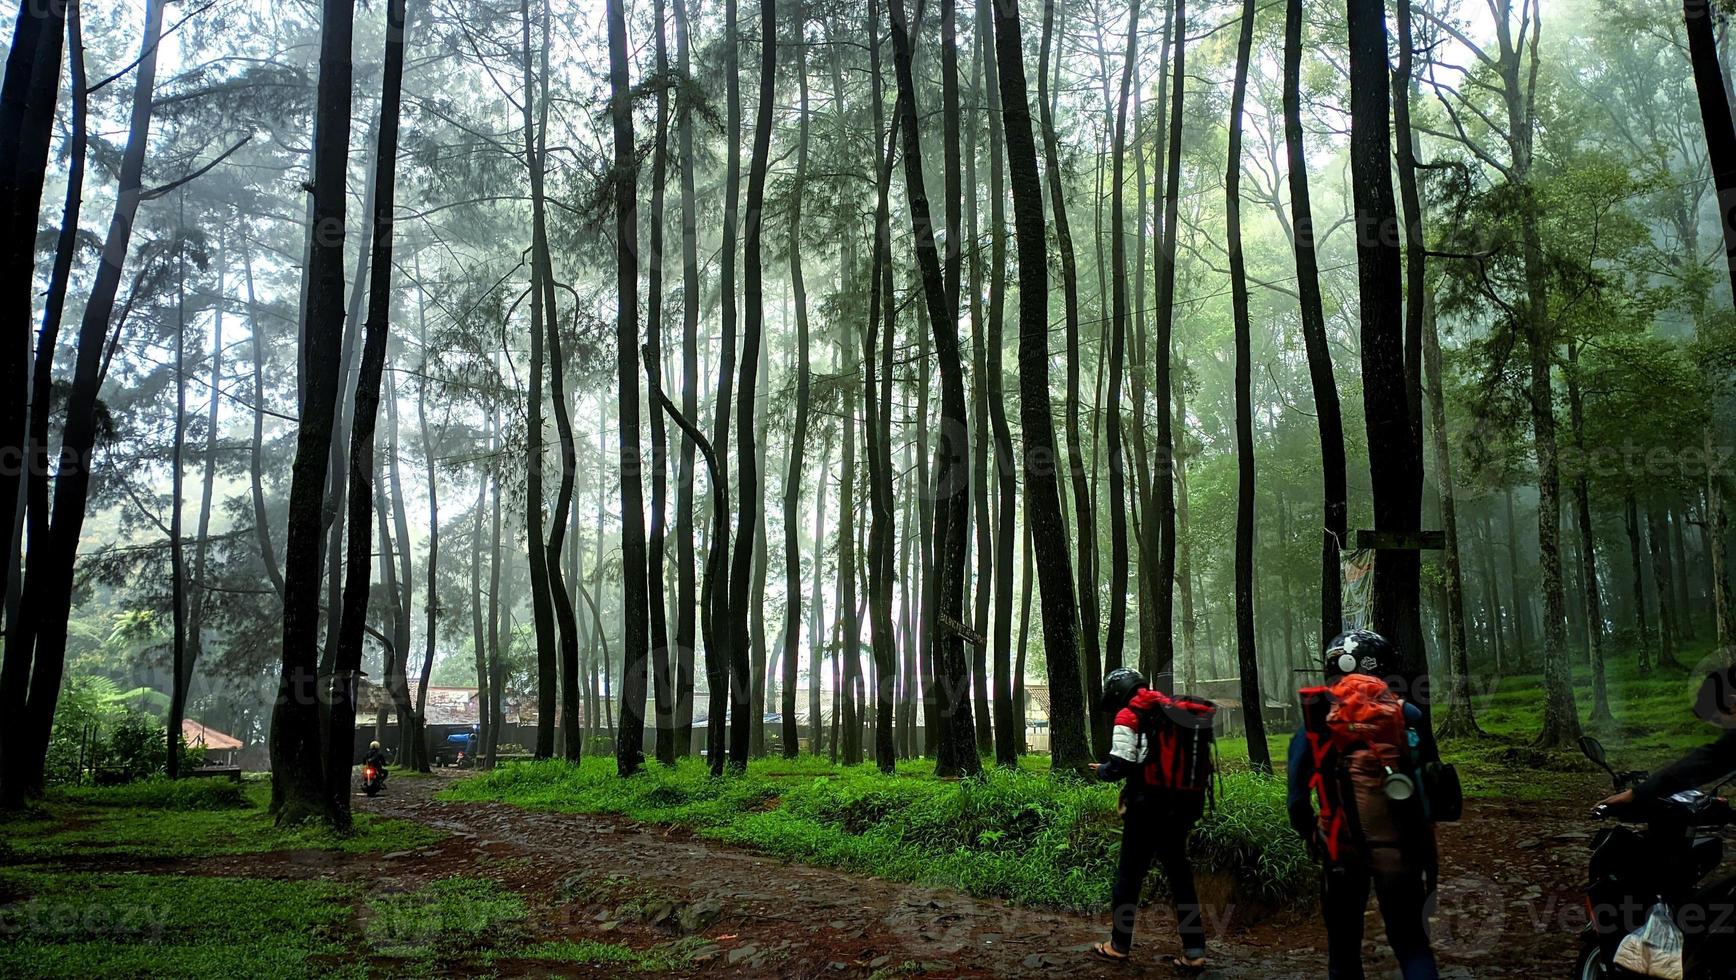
(1508, 906)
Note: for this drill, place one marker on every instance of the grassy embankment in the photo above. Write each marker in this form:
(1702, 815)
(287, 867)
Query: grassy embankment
(1019, 835)
(1031, 838)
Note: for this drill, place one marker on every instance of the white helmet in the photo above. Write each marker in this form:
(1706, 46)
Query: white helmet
(374, 745)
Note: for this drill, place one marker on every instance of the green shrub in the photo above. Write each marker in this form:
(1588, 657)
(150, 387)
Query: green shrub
(161, 794)
(136, 749)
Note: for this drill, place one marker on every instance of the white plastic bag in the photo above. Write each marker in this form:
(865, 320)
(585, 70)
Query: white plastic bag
(1655, 949)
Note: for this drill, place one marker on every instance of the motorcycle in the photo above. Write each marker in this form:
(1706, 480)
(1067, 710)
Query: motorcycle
(1658, 852)
(373, 778)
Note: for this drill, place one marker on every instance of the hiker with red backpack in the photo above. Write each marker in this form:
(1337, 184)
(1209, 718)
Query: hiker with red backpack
(1355, 756)
(1162, 749)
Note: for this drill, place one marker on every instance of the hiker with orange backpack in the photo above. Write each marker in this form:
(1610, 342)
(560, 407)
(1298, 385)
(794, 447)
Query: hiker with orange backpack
(1355, 758)
(1162, 749)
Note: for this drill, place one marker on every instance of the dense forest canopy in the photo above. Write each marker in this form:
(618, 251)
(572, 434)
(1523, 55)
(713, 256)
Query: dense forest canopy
(875, 376)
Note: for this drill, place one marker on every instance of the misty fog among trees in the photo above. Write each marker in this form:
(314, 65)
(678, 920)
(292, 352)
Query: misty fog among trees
(694, 377)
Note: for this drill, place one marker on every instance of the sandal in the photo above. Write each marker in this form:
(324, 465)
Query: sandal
(1106, 951)
(1187, 964)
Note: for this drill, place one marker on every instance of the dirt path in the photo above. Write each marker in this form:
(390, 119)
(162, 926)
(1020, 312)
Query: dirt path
(1508, 902)
(782, 919)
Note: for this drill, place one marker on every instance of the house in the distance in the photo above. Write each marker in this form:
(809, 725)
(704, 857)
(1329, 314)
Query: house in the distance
(450, 711)
(220, 749)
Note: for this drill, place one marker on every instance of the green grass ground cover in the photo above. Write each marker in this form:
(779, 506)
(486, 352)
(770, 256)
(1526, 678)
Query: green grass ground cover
(64, 913)
(85, 924)
(80, 924)
(185, 819)
(1654, 719)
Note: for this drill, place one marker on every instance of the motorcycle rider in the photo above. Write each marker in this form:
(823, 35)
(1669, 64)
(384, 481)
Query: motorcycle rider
(375, 757)
(1716, 704)
(1400, 878)
(1155, 823)
(1707, 944)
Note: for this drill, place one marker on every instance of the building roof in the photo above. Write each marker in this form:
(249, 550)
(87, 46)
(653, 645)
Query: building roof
(446, 705)
(199, 735)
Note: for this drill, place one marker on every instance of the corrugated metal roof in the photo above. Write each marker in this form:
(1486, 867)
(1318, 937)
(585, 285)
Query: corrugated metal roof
(199, 735)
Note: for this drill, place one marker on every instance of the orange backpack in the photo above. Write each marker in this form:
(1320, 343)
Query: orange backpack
(1357, 737)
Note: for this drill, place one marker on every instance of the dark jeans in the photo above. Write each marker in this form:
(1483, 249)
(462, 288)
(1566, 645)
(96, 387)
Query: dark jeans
(1159, 833)
(1344, 896)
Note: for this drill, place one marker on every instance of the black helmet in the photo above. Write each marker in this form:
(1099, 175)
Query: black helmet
(1120, 687)
(1358, 651)
(1717, 696)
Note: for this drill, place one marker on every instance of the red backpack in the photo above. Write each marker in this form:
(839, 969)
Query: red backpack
(1357, 737)
(1180, 740)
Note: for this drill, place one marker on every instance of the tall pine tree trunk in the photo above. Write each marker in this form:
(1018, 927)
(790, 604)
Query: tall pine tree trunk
(1600, 713)
(1008, 731)
(719, 516)
(558, 595)
(1642, 627)
(630, 742)
(816, 617)
(28, 98)
(1662, 581)
(878, 423)
(957, 754)
(981, 491)
(36, 648)
(685, 555)
(347, 661)
(1327, 414)
(542, 605)
(1167, 479)
(1253, 702)
(256, 448)
(36, 491)
(1068, 747)
(1395, 463)
(1118, 505)
(747, 461)
(1413, 654)
(747, 458)
(1460, 718)
(799, 434)
(1184, 546)
(177, 483)
(1715, 117)
(478, 636)
(1085, 526)
(662, 682)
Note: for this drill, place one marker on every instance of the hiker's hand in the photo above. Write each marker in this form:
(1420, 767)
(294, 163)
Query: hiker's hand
(1625, 798)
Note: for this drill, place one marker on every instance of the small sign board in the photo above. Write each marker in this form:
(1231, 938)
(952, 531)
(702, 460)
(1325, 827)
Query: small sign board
(964, 632)
(1401, 540)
